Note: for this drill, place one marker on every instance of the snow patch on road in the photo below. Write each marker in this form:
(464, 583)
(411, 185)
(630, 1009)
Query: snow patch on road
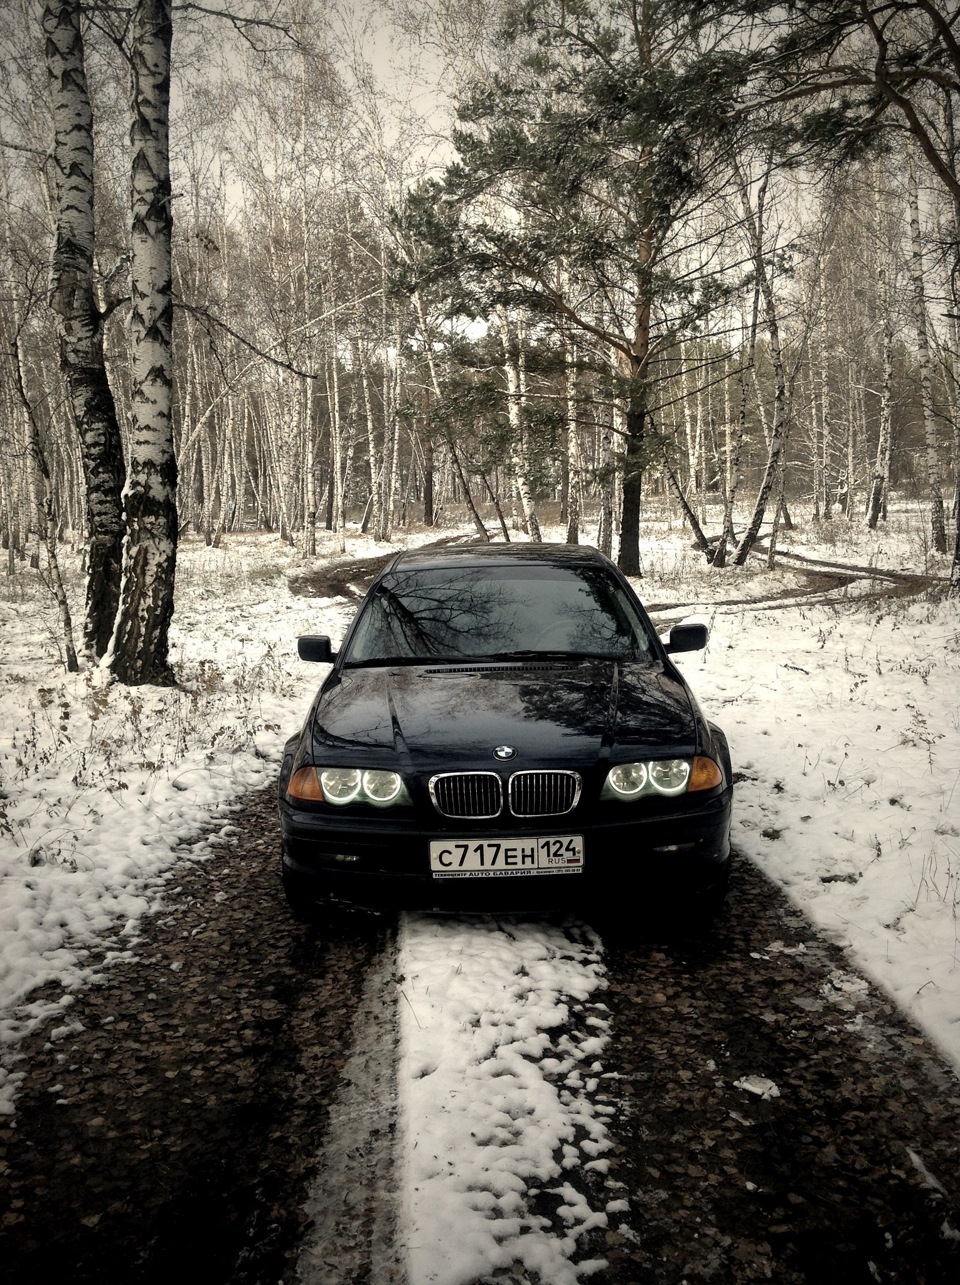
(500, 1037)
(758, 1085)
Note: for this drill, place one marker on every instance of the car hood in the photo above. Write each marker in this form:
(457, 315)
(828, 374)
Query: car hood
(444, 716)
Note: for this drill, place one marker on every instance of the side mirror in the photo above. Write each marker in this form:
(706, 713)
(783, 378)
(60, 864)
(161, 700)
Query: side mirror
(316, 647)
(687, 638)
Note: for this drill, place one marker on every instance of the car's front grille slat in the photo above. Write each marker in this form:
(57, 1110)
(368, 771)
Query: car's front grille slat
(467, 794)
(479, 795)
(541, 794)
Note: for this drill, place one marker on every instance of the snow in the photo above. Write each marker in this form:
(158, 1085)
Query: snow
(847, 732)
(759, 1085)
(844, 726)
(494, 1042)
(100, 785)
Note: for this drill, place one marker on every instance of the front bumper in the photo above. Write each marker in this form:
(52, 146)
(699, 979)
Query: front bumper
(383, 862)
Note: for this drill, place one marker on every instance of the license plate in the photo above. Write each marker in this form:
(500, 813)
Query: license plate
(560, 854)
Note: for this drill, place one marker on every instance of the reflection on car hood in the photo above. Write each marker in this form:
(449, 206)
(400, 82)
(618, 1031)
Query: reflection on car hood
(549, 713)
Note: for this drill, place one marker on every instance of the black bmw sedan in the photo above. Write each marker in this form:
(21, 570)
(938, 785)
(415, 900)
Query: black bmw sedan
(502, 728)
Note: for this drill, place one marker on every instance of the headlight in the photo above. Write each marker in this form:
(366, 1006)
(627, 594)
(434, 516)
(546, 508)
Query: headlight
(661, 776)
(627, 779)
(343, 785)
(669, 776)
(381, 787)
(340, 784)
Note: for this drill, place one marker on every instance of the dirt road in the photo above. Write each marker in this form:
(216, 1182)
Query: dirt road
(775, 1118)
(174, 1127)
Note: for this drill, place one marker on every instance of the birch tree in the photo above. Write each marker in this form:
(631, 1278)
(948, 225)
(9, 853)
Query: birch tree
(931, 451)
(138, 650)
(512, 338)
(80, 319)
(879, 487)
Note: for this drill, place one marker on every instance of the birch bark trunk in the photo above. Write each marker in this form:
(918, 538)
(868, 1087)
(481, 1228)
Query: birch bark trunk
(574, 463)
(374, 455)
(729, 466)
(47, 515)
(937, 522)
(518, 443)
(880, 482)
(823, 504)
(80, 321)
(138, 651)
(880, 479)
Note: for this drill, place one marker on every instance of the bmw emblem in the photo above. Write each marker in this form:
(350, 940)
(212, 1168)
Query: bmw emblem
(504, 752)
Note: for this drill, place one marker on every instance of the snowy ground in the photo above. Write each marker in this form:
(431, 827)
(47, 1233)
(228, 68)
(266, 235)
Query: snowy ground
(843, 721)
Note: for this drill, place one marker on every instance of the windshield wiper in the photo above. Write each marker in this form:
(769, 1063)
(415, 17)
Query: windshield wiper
(382, 662)
(536, 653)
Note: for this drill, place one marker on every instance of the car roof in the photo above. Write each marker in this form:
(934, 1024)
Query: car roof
(458, 555)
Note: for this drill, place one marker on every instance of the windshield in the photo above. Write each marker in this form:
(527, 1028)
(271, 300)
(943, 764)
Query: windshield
(476, 612)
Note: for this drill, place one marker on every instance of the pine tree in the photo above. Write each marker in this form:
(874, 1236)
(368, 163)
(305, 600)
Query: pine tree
(575, 177)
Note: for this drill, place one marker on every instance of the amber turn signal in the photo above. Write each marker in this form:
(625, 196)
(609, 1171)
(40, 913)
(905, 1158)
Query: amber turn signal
(305, 784)
(705, 775)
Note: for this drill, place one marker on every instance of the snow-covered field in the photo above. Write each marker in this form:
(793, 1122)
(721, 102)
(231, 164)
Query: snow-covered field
(844, 723)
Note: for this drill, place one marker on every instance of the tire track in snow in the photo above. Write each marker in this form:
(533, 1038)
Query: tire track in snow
(351, 1202)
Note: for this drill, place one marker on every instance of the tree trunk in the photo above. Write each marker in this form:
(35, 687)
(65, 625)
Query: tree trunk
(574, 470)
(692, 402)
(309, 537)
(608, 481)
(753, 222)
(518, 443)
(825, 455)
(477, 520)
(80, 322)
(428, 514)
(937, 523)
(880, 481)
(703, 544)
(495, 501)
(139, 648)
(373, 514)
(46, 513)
(391, 437)
(777, 517)
(336, 510)
(632, 484)
(730, 468)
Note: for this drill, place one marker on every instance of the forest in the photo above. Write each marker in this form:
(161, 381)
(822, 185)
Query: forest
(290, 266)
